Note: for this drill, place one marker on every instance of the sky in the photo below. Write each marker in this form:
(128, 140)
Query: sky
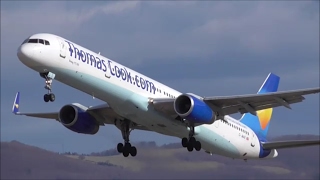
(210, 48)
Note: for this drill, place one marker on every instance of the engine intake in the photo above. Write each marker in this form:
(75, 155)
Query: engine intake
(193, 109)
(78, 120)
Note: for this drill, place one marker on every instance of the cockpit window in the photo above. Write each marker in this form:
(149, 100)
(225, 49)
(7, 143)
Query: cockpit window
(33, 41)
(25, 41)
(40, 41)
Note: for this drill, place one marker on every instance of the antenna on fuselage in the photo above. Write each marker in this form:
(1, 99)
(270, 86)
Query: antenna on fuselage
(99, 53)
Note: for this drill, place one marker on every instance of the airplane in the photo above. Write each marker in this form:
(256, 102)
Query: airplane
(133, 101)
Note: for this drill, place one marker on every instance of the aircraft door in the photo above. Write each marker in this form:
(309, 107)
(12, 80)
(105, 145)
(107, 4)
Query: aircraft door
(63, 48)
(253, 139)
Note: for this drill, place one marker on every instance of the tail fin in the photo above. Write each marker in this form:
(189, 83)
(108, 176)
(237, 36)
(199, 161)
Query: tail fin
(15, 107)
(260, 123)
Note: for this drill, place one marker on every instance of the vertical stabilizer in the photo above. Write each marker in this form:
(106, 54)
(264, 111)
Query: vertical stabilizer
(260, 123)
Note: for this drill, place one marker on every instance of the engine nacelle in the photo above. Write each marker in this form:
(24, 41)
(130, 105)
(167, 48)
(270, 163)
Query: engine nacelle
(193, 109)
(78, 120)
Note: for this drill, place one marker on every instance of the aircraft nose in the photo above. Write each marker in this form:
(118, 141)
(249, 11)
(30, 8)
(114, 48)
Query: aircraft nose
(25, 52)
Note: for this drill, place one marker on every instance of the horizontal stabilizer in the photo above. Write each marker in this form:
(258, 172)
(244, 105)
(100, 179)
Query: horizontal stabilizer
(289, 144)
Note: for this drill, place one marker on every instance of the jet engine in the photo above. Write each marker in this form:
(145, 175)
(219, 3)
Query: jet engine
(75, 118)
(193, 109)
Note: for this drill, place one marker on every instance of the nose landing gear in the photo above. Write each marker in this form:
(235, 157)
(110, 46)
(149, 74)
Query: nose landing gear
(48, 81)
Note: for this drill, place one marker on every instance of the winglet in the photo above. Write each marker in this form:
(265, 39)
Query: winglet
(270, 84)
(15, 107)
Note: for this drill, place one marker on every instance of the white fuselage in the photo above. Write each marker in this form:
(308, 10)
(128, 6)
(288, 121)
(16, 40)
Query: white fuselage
(128, 93)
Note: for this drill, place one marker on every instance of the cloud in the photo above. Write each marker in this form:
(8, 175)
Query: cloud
(53, 17)
(135, 32)
(56, 16)
(263, 26)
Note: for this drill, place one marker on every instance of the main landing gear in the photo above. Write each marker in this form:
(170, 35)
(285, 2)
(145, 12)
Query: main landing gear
(126, 148)
(48, 80)
(191, 142)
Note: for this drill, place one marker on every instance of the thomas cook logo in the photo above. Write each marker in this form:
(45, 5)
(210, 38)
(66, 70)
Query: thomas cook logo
(16, 106)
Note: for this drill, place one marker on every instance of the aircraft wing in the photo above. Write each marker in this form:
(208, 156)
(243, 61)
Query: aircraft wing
(225, 105)
(289, 144)
(104, 114)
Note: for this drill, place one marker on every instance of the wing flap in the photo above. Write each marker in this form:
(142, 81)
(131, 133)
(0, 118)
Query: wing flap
(284, 95)
(256, 106)
(255, 102)
(289, 144)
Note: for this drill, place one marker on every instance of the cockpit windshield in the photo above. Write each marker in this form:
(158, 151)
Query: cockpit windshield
(40, 41)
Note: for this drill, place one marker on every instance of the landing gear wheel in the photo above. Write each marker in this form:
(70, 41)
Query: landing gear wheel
(49, 97)
(46, 98)
(192, 140)
(133, 151)
(120, 147)
(52, 97)
(191, 143)
(184, 142)
(127, 146)
(190, 147)
(125, 152)
(197, 146)
(48, 81)
(126, 149)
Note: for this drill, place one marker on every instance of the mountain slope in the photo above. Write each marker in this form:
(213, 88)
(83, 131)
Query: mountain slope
(153, 162)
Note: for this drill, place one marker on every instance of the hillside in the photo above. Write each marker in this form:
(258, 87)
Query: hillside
(20, 161)
(168, 161)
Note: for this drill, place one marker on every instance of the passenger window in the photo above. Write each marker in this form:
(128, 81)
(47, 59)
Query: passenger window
(33, 41)
(41, 41)
(46, 42)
